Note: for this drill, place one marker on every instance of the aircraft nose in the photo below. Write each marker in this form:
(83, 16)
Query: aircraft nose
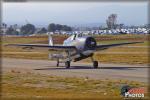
(90, 43)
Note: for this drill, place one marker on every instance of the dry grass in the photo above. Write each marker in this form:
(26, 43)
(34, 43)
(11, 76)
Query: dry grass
(123, 58)
(27, 85)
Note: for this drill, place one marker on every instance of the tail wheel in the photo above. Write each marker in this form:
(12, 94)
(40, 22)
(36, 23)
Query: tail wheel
(57, 64)
(67, 64)
(95, 64)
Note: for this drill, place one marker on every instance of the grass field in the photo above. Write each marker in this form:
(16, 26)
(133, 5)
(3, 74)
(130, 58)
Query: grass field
(29, 86)
(136, 55)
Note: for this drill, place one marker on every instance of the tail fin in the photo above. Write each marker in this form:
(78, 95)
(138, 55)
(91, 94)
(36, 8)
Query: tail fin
(50, 40)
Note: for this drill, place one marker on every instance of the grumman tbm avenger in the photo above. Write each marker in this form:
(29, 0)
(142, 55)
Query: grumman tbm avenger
(77, 47)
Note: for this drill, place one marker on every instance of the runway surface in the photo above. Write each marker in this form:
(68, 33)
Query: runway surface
(78, 69)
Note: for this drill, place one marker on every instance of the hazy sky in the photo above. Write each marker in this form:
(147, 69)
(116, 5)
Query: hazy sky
(74, 13)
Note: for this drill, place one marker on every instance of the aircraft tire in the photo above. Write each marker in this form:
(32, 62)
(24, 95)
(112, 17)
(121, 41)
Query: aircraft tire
(95, 64)
(67, 64)
(57, 65)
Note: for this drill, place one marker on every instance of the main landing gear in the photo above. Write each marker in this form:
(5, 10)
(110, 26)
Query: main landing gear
(95, 63)
(57, 63)
(67, 64)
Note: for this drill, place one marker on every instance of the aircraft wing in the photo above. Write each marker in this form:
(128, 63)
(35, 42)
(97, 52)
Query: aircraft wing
(102, 47)
(43, 46)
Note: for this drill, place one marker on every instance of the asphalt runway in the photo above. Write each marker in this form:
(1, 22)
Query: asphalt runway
(79, 69)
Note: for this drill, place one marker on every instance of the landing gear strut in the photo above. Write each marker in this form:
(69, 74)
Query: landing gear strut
(95, 63)
(67, 64)
(57, 62)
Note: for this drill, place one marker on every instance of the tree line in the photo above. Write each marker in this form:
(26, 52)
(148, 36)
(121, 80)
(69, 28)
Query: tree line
(53, 27)
(31, 29)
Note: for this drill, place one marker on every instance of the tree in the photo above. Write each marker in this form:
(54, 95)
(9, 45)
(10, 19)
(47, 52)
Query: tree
(4, 25)
(11, 31)
(52, 27)
(43, 30)
(15, 26)
(28, 29)
(111, 21)
(121, 26)
(58, 27)
(66, 28)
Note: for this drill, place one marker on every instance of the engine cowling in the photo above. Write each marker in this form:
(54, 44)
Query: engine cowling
(90, 43)
(85, 43)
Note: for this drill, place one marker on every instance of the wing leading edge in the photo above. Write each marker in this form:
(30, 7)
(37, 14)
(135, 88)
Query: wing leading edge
(66, 48)
(99, 47)
(43, 46)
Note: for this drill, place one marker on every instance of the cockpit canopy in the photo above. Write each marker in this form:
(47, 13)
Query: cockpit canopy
(74, 36)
